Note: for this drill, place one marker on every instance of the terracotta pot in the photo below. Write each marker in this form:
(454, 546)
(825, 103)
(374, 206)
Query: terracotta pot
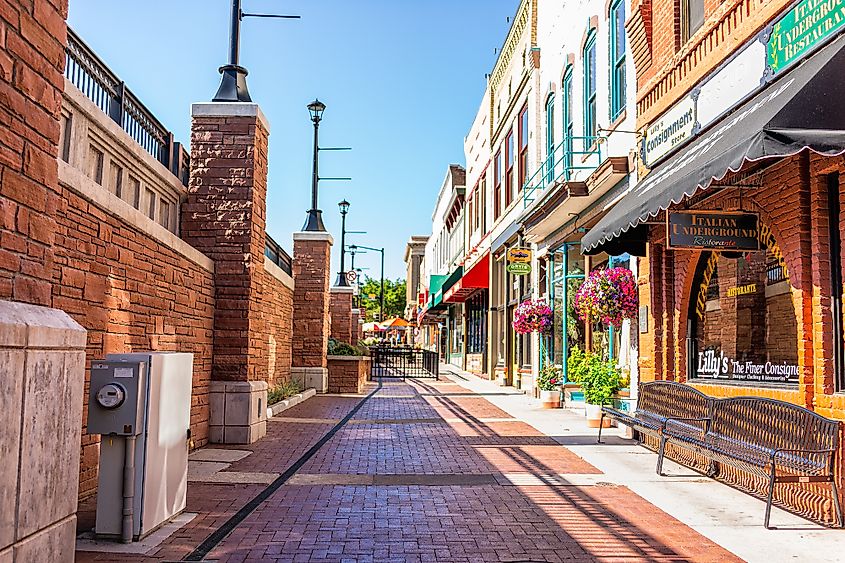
(550, 399)
(594, 416)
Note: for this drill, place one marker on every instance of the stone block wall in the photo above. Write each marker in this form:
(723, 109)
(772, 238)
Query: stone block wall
(311, 317)
(340, 309)
(348, 374)
(277, 318)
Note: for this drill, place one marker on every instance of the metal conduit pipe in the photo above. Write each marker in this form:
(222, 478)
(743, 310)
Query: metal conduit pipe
(128, 490)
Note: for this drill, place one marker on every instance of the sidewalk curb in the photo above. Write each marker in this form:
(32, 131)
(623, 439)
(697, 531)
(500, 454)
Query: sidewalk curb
(276, 408)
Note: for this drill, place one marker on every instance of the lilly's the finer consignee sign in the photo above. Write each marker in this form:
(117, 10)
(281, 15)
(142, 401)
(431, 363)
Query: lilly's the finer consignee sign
(714, 230)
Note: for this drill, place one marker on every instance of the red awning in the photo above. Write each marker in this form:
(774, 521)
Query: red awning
(478, 277)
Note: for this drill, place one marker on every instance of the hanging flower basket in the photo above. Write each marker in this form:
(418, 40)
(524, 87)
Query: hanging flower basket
(607, 296)
(532, 316)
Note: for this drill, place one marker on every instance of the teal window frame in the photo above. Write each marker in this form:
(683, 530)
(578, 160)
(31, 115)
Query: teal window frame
(568, 121)
(550, 139)
(551, 280)
(618, 51)
(589, 110)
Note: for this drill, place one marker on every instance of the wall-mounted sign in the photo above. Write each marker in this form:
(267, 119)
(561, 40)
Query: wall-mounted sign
(714, 230)
(519, 255)
(671, 129)
(736, 80)
(801, 28)
(714, 364)
(519, 268)
(746, 289)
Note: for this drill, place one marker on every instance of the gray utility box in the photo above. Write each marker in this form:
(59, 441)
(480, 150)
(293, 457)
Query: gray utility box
(143, 398)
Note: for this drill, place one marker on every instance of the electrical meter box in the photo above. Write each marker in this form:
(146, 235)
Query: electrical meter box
(141, 405)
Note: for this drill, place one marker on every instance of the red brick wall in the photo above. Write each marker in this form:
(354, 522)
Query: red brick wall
(311, 295)
(32, 60)
(348, 375)
(132, 294)
(340, 308)
(277, 317)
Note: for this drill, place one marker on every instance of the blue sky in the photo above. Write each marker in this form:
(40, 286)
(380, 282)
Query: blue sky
(402, 80)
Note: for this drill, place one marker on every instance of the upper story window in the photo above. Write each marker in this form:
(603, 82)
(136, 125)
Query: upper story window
(481, 209)
(617, 58)
(692, 18)
(497, 185)
(523, 148)
(509, 168)
(590, 89)
(568, 121)
(550, 138)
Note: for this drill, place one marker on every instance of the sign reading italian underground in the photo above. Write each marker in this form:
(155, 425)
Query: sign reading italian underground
(519, 255)
(808, 23)
(714, 230)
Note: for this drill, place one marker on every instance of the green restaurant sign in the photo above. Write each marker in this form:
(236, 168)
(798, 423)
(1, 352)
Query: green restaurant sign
(809, 22)
(519, 268)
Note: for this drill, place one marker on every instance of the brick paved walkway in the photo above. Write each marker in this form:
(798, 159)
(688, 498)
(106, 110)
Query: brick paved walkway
(425, 471)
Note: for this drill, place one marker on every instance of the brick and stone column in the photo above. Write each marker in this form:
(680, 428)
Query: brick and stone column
(340, 306)
(311, 318)
(357, 328)
(224, 217)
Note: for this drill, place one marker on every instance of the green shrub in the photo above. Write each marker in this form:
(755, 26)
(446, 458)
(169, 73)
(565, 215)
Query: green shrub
(549, 377)
(338, 348)
(283, 391)
(576, 365)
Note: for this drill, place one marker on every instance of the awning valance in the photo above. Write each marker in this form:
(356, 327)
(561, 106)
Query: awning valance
(801, 110)
(477, 277)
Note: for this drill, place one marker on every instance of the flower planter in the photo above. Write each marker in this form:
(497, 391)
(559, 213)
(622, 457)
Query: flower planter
(348, 374)
(594, 416)
(550, 399)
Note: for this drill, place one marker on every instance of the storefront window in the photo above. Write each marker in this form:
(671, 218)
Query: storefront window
(742, 320)
(567, 276)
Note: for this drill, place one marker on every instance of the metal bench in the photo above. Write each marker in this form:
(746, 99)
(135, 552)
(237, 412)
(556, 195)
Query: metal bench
(667, 411)
(775, 440)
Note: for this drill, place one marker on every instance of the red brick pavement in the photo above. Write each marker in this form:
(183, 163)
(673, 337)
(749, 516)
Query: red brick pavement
(410, 428)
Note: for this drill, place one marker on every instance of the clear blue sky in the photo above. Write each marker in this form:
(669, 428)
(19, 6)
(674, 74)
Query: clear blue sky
(402, 80)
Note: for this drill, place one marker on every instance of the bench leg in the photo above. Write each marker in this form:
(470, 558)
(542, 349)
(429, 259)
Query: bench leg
(601, 425)
(771, 496)
(660, 455)
(836, 504)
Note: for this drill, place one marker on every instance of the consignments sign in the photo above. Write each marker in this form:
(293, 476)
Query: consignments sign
(801, 28)
(713, 230)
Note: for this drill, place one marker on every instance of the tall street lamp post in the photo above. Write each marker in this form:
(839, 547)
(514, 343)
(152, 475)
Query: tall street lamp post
(314, 220)
(354, 247)
(341, 275)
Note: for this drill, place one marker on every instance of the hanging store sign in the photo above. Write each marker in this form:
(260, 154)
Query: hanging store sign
(519, 256)
(519, 268)
(671, 129)
(713, 230)
(801, 28)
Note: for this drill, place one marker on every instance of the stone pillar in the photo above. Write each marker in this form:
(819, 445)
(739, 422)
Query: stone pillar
(224, 218)
(357, 328)
(340, 305)
(42, 377)
(311, 271)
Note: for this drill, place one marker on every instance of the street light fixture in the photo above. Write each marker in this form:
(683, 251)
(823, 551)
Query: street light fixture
(355, 247)
(314, 220)
(341, 275)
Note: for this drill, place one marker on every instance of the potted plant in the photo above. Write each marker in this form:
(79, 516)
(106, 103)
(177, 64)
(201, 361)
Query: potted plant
(608, 297)
(548, 381)
(599, 381)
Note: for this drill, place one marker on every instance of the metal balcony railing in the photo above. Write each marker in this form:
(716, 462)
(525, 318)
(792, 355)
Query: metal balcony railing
(278, 256)
(99, 84)
(561, 163)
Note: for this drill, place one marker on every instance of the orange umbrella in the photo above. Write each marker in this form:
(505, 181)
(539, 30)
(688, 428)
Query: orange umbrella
(395, 322)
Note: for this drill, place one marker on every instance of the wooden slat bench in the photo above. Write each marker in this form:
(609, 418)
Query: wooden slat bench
(775, 440)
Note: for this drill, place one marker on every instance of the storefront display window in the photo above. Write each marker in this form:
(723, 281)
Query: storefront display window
(567, 270)
(742, 320)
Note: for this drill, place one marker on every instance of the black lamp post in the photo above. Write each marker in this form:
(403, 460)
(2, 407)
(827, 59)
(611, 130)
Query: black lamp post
(314, 220)
(354, 247)
(341, 275)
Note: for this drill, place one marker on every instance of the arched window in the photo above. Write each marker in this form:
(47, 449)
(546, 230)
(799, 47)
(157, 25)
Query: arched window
(550, 139)
(742, 326)
(568, 122)
(617, 58)
(590, 90)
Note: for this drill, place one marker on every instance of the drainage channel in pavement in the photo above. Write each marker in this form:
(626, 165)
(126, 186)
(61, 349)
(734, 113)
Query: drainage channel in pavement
(224, 530)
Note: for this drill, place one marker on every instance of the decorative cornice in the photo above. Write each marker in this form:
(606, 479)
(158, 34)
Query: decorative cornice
(511, 42)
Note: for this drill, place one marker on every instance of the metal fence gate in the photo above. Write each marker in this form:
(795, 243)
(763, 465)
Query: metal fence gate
(403, 362)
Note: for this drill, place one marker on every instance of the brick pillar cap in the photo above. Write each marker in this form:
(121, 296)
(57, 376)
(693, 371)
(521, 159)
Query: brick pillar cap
(313, 235)
(229, 109)
(340, 289)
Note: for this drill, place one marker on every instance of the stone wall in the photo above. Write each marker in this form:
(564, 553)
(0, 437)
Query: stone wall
(340, 309)
(277, 318)
(134, 286)
(348, 374)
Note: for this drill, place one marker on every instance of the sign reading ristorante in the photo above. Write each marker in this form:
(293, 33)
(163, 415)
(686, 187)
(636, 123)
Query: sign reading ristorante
(715, 230)
(802, 27)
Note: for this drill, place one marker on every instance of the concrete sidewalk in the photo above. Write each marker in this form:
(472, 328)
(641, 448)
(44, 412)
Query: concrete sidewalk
(728, 517)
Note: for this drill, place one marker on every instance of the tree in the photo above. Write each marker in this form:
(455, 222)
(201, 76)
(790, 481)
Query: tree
(369, 294)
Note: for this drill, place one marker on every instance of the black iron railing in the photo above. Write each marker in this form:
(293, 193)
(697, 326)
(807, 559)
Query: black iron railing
(278, 256)
(403, 362)
(94, 79)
